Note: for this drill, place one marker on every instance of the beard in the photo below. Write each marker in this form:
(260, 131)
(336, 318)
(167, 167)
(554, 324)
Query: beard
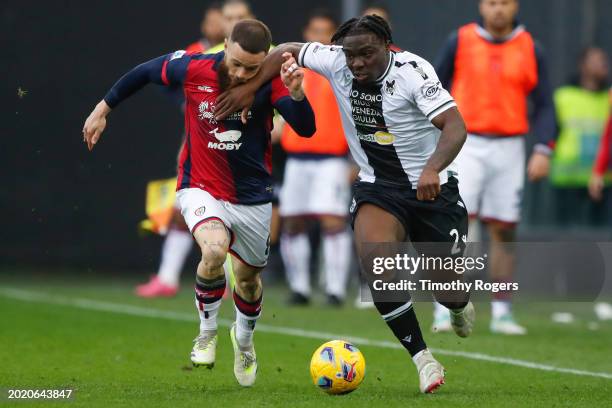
(225, 82)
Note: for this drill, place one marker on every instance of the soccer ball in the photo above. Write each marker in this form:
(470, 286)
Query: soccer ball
(337, 367)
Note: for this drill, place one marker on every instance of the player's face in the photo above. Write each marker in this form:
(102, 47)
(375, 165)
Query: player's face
(233, 13)
(595, 65)
(499, 13)
(367, 56)
(319, 30)
(241, 65)
(212, 26)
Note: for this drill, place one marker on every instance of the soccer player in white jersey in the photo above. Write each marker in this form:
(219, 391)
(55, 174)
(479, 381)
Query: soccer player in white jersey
(404, 131)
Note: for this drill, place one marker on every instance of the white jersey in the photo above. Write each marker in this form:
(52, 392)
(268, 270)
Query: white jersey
(387, 124)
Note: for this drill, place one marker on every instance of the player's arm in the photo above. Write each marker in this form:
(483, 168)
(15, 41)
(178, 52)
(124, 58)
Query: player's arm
(428, 94)
(291, 102)
(453, 136)
(596, 183)
(445, 64)
(543, 122)
(165, 70)
(241, 97)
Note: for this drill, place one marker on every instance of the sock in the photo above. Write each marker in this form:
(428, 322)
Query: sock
(208, 294)
(402, 320)
(337, 255)
(247, 314)
(500, 308)
(175, 250)
(439, 311)
(295, 250)
(474, 234)
(415, 358)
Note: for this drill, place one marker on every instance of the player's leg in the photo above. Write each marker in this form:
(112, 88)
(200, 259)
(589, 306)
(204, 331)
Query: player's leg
(337, 248)
(250, 250)
(175, 250)
(329, 199)
(295, 250)
(295, 244)
(472, 165)
(209, 224)
(372, 224)
(440, 230)
(501, 206)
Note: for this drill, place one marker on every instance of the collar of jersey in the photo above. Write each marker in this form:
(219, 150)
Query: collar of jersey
(388, 69)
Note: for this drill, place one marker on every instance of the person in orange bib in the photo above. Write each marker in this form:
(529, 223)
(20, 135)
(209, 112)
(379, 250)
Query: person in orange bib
(493, 68)
(317, 185)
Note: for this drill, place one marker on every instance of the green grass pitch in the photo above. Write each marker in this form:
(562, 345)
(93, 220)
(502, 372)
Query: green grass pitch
(91, 334)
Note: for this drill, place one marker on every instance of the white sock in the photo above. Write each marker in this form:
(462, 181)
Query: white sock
(208, 316)
(474, 234)
(295, 250)
(440, 311)
(208, 297)
(337, 255)
(500, 308)
(245, 328)
(175, 250)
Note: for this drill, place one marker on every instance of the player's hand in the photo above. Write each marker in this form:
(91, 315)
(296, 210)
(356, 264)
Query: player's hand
(235, 99)
(429, 185)
(95, 124)
(596, 185)
(538, 167)
(292, 76)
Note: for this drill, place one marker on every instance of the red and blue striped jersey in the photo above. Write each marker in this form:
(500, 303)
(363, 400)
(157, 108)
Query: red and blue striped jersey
(228, 159)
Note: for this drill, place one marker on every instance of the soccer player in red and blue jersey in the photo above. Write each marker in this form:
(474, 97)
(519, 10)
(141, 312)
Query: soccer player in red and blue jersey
(224, 183)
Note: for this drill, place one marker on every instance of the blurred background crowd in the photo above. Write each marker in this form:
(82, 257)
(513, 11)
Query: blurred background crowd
(63, 207)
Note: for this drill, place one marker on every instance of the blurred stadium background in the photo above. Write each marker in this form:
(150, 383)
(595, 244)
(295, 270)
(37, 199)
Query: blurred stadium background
(65, 207)
(70, 217)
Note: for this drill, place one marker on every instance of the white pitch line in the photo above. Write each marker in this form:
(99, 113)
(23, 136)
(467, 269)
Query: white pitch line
(91, 304)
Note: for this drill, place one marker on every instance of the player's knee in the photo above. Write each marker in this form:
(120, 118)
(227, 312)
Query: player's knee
(213, 256)
(502, 232)
(294, 225)
(332, 224)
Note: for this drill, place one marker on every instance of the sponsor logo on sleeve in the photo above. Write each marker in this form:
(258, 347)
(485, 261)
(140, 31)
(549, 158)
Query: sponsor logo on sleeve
(177, 54)
(431, 89)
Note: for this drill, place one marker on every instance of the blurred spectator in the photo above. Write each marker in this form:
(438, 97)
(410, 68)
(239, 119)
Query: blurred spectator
(316, 185)
(379, 9)
(582, 110)
(233, 11)
(601, 170)
(493, 68)
(212, 29)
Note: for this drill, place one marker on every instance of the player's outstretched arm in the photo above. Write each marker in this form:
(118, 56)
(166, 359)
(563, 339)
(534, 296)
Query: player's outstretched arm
(241, 97)
(158, 70)
(451, 140)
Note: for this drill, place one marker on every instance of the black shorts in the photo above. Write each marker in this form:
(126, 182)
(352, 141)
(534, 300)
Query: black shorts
(443, 220)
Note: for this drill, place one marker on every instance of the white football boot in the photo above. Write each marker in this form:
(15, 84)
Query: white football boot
(245, 362)
(442, 321)
(463, 321)
(431, 372)
(204, 350)
(506, 324)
